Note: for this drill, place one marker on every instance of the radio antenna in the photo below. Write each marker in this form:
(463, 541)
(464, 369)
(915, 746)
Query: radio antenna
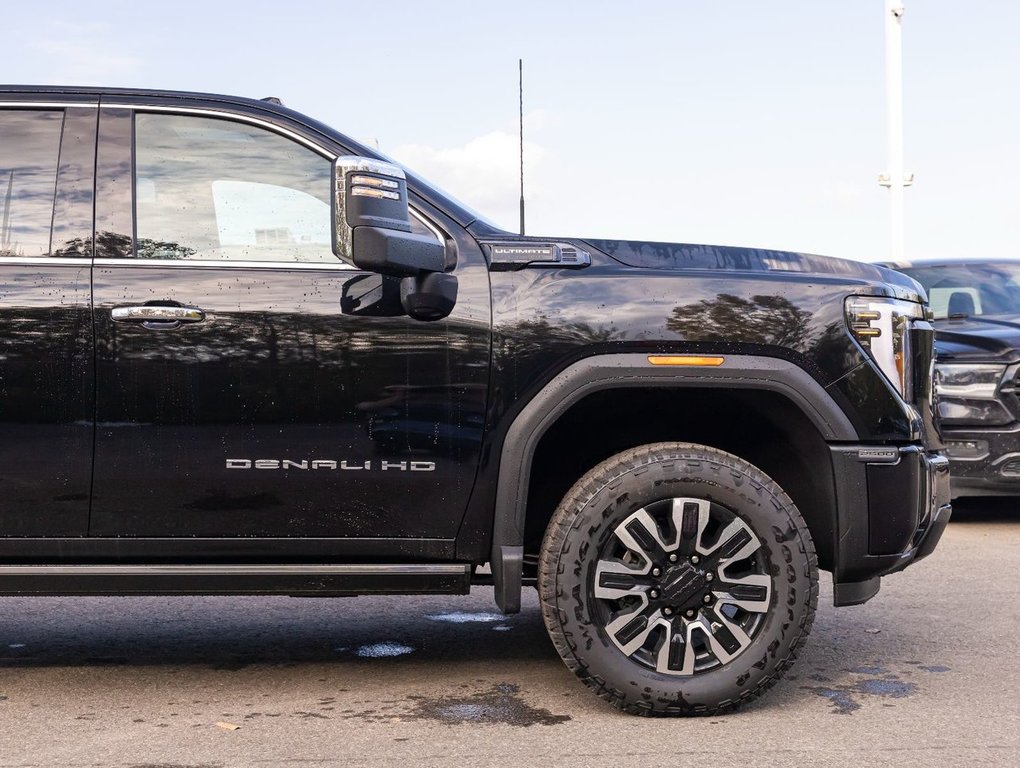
(520, 92)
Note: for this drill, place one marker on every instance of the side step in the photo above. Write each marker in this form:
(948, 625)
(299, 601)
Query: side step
(295, 580)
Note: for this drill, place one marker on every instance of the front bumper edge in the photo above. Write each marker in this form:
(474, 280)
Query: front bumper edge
(894, 505)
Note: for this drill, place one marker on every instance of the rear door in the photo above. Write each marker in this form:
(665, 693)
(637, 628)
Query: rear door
(239, 395)
(47, 156)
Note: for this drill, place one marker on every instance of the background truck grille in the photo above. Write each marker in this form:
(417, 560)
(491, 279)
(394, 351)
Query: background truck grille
(1009, 392)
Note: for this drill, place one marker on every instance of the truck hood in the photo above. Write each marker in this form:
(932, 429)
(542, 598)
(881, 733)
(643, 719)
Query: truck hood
(684, 256)
(985, 338)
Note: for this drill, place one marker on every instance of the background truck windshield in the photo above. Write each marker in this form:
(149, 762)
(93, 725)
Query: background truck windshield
(970, 289)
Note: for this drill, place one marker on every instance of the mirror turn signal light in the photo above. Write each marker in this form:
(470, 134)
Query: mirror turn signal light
(373, 186)
(373, 192)
(375, 181)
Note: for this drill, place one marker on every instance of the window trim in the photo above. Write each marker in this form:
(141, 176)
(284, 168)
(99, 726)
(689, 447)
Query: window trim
(55, 261)
(340, 265)
(235, 116)
(27, 104)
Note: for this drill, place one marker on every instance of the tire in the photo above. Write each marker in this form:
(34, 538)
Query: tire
(694, 613)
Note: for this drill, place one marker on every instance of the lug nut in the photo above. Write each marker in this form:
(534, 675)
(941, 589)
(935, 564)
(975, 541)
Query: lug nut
(689, 614)
(695, 559)
(706, 599)
(653, 594)
(709, 576)
(667, 611)
(656, 572)
(673, 558)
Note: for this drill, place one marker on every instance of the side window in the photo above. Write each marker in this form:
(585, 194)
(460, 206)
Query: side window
(29, 153)
(214, 189)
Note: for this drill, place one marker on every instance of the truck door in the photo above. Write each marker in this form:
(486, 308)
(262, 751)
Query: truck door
(46, 369)
(242, 390)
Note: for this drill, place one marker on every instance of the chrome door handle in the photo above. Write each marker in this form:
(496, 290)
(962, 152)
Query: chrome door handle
(157, 317)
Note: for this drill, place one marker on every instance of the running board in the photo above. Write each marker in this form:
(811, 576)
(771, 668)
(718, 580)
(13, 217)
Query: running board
(294, 580)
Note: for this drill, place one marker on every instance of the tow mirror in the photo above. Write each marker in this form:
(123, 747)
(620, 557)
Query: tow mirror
(372, 231)
(372, 226)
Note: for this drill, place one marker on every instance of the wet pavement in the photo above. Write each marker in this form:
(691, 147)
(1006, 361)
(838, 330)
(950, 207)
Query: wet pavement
(922, 675)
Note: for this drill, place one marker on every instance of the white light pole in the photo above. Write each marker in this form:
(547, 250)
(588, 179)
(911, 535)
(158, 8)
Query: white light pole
(895, 178)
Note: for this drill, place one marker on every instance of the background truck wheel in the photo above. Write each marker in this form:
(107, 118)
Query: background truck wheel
(677, 579)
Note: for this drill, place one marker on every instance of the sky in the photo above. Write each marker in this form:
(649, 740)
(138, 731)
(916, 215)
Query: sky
(745, 122)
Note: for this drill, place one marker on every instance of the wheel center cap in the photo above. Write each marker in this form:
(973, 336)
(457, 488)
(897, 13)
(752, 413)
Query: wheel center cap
(680, 583)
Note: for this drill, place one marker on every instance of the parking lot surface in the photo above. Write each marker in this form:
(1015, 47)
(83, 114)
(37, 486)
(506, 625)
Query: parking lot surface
(925, 674)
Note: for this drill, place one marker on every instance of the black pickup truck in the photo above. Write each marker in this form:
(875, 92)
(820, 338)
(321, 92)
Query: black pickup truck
(975, 307)
(241, 353)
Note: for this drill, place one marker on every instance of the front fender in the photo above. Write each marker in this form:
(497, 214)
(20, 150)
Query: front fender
(602, 372)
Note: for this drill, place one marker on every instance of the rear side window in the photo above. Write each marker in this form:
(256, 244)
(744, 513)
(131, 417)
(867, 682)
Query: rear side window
(29, 154)
(213, 189)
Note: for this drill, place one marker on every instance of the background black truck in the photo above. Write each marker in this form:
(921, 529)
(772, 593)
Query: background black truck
(241, 353)
(974, 303)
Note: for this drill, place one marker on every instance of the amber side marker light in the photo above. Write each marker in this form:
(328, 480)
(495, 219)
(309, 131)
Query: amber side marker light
(684, 360)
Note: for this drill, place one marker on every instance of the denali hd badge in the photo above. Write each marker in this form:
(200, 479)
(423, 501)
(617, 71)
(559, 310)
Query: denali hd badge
(350, 466)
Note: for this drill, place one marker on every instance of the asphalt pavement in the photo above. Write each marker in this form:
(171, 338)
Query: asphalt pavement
(924, 674)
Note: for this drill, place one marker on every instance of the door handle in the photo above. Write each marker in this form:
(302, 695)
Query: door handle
(158, 317)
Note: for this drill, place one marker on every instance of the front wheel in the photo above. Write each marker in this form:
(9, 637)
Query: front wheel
(677, 579)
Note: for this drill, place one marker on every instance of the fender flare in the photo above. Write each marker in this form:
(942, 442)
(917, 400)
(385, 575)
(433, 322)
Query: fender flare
(603, 372)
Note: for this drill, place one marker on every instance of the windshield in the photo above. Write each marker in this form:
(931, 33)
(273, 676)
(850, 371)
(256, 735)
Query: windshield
(414, 176)
(967, 290)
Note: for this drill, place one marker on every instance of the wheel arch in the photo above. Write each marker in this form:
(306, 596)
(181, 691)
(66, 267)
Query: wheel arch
(774, 377)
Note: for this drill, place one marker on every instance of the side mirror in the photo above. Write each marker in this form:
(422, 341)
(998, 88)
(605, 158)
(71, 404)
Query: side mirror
(430, 296)
(373, 296)
(372, 224)
(372, 231)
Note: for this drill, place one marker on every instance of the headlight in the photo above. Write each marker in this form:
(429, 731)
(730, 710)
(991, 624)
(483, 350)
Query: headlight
(968, 394)
(968, 381)
(881, 327)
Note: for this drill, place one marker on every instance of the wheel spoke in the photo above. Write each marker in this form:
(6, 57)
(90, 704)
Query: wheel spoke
(736, 542)
(690, 518)
(614, 580)
(752, 593)
(725, 638)
(677, 655)
(640, 535)
(630, 630)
